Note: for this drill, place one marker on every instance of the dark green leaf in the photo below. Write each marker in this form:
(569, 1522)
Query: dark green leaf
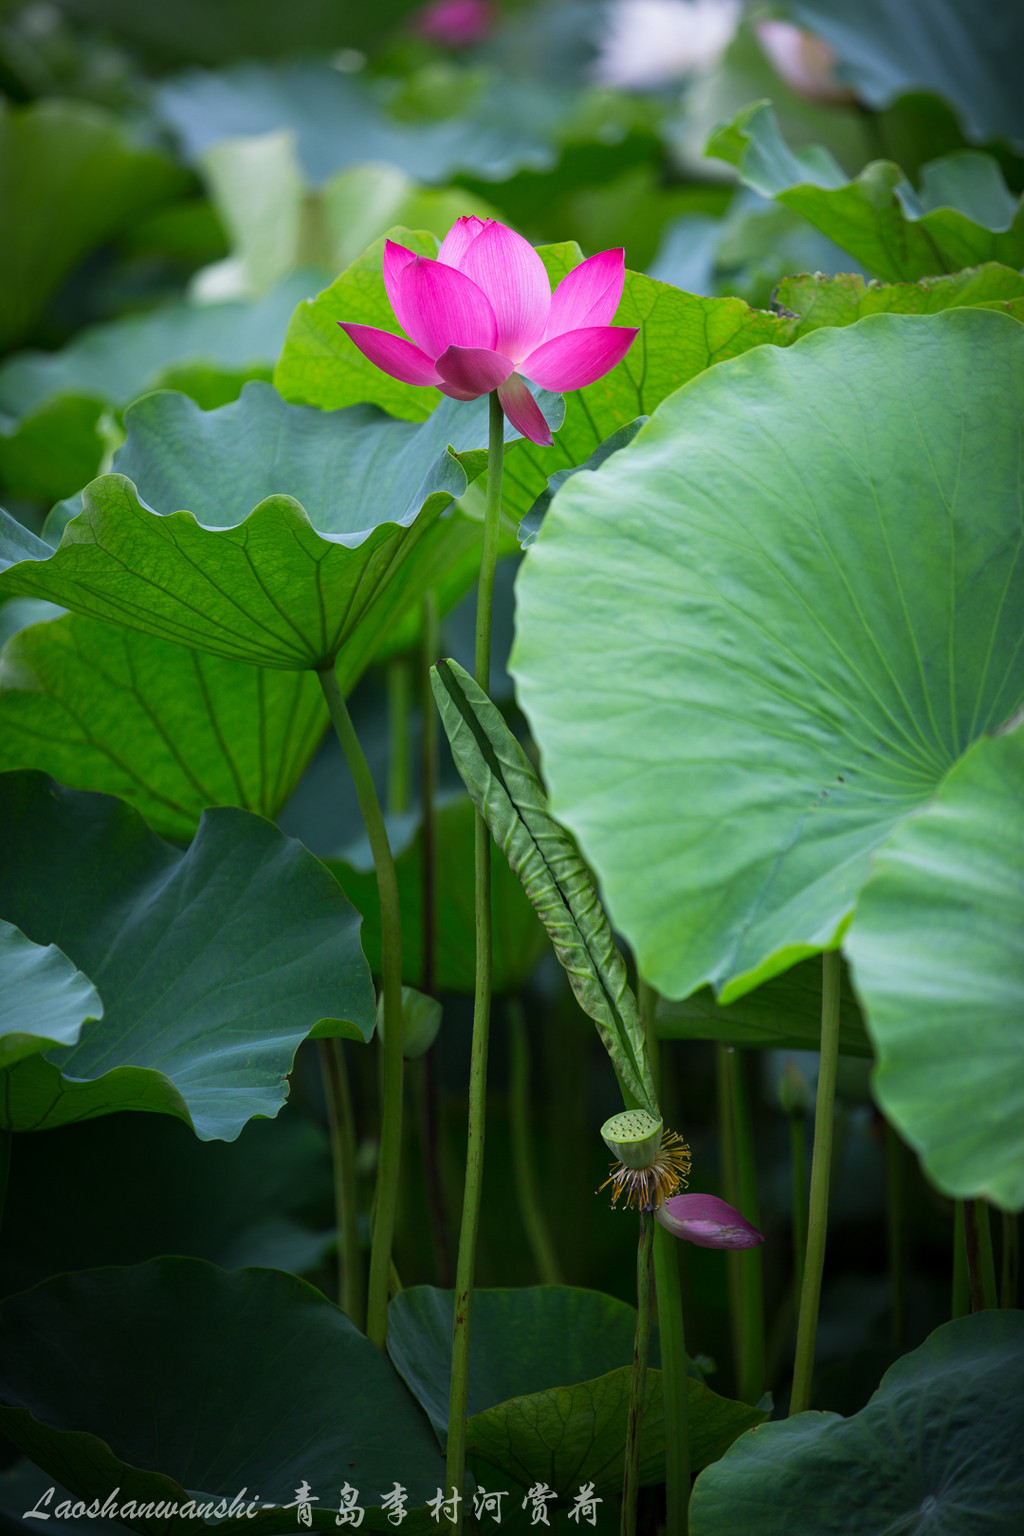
(181, 1372)
(169, 730)
(510, 797)
(44, 1000)
(216, 962)
(964, 213)
(817, 300)
(937, 949)
(754, 641)
(936, 1450)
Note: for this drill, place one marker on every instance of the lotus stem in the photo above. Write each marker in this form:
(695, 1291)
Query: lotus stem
(960, 1303)
(399, 694)
(386, 1196)
(981, 1271)
(1011, 1260)
(459, 1393)
(675, 1384)
(798, 1167)
(751, 1265)
(638, 1381)
(821, 1169)
(341, 1125)
(731, 1192)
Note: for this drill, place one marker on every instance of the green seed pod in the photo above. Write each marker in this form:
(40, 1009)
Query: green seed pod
(634, 1137)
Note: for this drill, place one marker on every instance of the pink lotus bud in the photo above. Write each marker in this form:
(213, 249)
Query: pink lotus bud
(483, 317)
(707, 1221)
(455, 23)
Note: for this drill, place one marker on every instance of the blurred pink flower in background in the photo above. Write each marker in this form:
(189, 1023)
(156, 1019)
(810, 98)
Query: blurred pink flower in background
(647, 43)
(707, 1221)
(456, 23)
(483, 317)
(802, 61)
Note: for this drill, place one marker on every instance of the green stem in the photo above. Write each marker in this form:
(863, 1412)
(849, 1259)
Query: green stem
(638, 1381)
(896, 1223)
(798, 1167)
(1011, 1260)
(386, 1196)
(961, 1300)
(751, 1376)
(459, 1392)
(674, 1380)
(534, 1224)
(821, 1167)
(730, 1193)
(430, 1119)
(981, 1270)
(399, 736)
(340, 1120)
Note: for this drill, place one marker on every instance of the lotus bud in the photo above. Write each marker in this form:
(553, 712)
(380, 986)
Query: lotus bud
(707, 1221)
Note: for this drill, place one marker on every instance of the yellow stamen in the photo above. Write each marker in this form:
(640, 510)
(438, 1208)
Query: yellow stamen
(646, 1188)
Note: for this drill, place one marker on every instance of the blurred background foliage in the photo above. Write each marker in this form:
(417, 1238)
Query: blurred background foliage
(174, 180)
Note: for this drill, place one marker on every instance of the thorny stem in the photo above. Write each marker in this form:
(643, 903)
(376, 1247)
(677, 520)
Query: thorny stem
(341, 1125)
(821, 1165)
(386, 1198)
(459, 1393)
(638, 1381)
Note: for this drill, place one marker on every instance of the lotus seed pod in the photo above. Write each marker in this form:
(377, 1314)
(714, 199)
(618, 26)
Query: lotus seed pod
(634, 1137)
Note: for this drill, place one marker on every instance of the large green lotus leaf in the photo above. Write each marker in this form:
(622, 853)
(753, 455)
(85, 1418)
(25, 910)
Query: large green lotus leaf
(44, 999)
(339, 120)
(963, 214)
(122, 359)
(818, 300)
(784, 1013)
(524, 1340)
(936, 1451)
(171, 731)
(937, 949)
(568, 1436)
(214, 962)
(70, 177)
(209, 1381)
(754, 641)
(680, 335)
(964, 52)
(519, 939)
(53, 451)
(287, 583)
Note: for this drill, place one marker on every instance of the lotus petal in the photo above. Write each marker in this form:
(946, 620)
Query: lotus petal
(513, 277)
(589, 294)
(459, 238)
(523, 411)
(400, 358)
(577, 358)
(440, 307)
(707, 1221)
(473, 370)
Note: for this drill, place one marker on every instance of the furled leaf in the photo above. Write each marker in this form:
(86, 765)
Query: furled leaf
(784, 1013)
(755, 640)
(940, 1440)
(215, 961)
(44, 1000)
(937, 949)
(182, 1374)
(297, 578)
(70, 177)
(518, 938)
(963, 215)
(568, 1436)
(169, 730)
(510, 797)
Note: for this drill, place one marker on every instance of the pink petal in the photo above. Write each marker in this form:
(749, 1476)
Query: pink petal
(474, 369)
(396, 258)
(577, 358)
(392, 354)
(440, 307)
(512, 275)
(523, 411)
(459, 239)
(707, 1221)
(589, 294)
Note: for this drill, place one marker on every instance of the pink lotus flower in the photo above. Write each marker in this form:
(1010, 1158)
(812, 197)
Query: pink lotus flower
(707, 1221)
(455, 23)
(482, 316)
